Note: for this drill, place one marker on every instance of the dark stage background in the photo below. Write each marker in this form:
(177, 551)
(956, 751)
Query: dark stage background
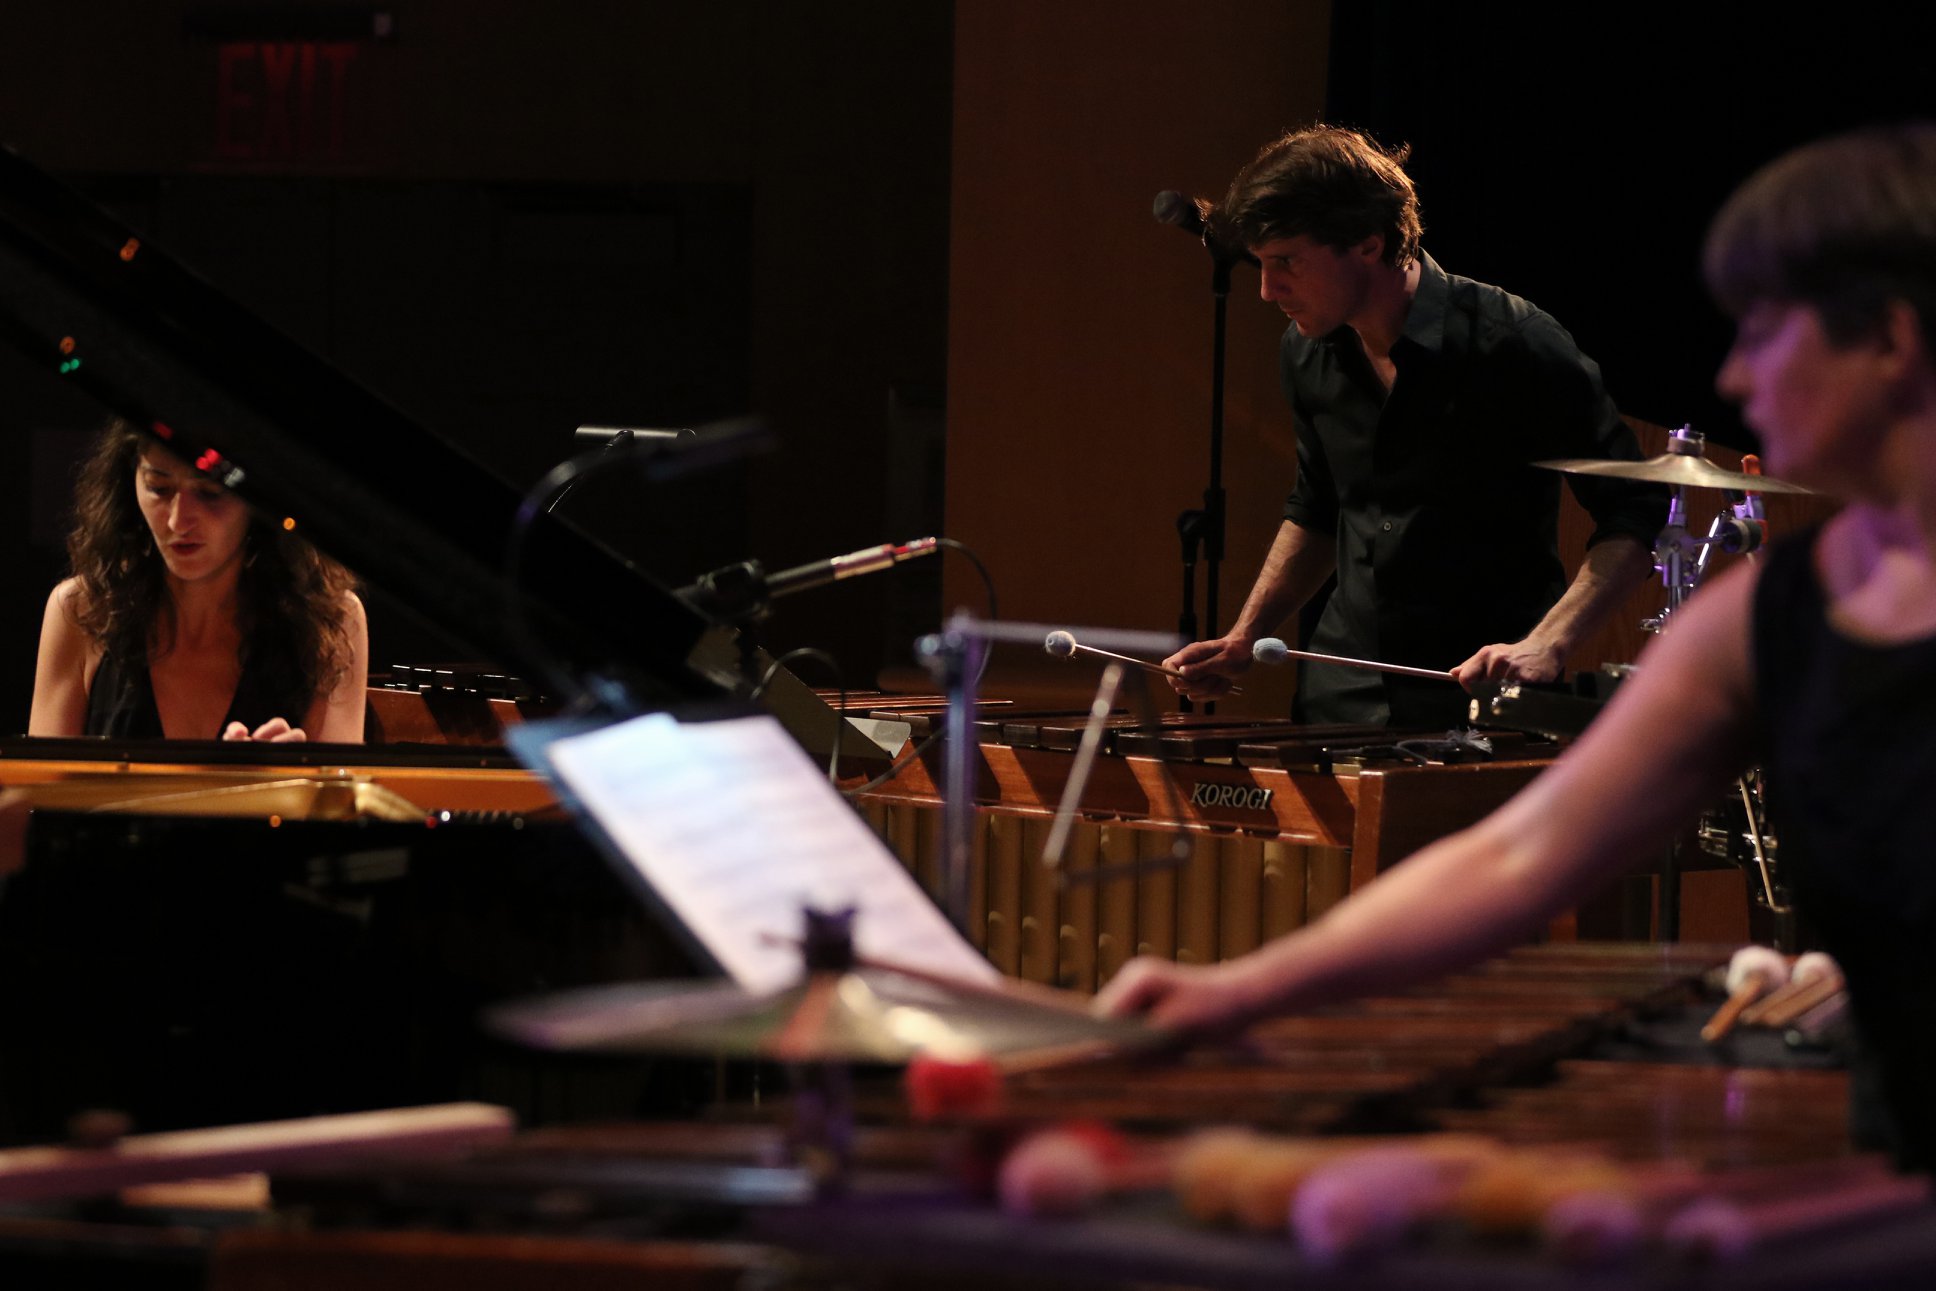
(512, 217)
(1574, 154)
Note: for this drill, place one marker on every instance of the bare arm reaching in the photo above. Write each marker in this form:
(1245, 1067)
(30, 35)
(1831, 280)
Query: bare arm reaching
(1611, 569)
(1667, 743)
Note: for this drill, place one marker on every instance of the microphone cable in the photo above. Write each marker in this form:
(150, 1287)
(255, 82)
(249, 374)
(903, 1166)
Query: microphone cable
(840, 681)
(539, 499)
(622, 438)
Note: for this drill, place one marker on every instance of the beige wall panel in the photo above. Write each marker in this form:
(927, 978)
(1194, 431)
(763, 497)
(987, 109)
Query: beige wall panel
(1079, 341)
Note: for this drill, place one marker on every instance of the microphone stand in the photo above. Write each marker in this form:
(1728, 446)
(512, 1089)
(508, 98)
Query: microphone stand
(1205, 525)
(740, 597)
(609, 438)
(953, 657)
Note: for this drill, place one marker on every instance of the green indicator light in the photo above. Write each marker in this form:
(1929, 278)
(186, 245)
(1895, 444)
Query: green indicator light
(70, 365)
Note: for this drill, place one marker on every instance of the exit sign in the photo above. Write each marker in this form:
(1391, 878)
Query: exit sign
(283, 101)
(290, 81)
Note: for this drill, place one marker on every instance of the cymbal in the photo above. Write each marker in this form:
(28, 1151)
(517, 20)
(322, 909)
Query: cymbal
(1674, 468)
(874, 1015)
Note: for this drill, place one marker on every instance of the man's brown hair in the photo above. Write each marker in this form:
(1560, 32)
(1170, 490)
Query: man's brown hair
(1333, 184)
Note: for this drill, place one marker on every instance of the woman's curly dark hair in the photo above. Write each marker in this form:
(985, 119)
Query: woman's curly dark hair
(291, 597)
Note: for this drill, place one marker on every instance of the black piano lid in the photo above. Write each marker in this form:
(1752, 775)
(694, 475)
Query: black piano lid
(405, 508)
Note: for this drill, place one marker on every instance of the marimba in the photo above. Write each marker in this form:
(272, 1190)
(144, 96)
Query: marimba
(1500, 1049)
(1505, 1050)
(1282, 820)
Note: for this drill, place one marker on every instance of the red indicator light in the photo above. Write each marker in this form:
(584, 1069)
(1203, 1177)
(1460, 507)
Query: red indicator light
(209, 460)
(163, 429)
(67, 345)
(129, 248)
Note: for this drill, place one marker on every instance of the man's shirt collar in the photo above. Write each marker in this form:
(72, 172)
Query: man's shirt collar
(1425, 321)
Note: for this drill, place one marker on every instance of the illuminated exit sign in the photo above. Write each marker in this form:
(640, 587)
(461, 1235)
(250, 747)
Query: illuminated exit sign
(290, 81)
(282, 100)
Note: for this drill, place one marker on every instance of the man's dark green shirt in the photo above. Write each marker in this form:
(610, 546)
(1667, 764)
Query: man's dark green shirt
(1446, 536)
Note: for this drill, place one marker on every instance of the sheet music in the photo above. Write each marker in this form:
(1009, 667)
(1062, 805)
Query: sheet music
(736, 829)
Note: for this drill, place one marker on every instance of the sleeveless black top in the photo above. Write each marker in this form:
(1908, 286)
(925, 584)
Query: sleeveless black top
(1849, 749)
(121, 702)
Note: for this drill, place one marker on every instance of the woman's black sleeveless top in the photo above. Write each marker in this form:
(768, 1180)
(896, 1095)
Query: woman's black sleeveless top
(1849, 750)
(121, 702)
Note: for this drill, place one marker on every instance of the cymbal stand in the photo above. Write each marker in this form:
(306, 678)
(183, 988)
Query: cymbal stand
(820, 1132)
(1682, 561)
(1676, 555)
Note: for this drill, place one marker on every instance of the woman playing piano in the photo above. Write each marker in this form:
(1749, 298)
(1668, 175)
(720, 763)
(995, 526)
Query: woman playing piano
(1819, 663)
(189, 617)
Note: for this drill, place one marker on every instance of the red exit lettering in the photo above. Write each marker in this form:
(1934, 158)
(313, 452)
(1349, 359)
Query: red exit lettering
(281, 100)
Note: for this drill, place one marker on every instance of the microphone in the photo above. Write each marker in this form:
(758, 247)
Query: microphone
(1187, 213)
(741, 593)
(1172, 207)
(868, 560)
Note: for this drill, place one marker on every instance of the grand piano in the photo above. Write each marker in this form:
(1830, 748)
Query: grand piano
(197, 931)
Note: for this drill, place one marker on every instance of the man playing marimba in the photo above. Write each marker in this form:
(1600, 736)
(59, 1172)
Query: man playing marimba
(1420, 398)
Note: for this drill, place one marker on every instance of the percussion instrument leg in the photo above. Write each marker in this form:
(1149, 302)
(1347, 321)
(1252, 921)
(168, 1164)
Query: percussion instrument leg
(1777, 928)
(1670, 895)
